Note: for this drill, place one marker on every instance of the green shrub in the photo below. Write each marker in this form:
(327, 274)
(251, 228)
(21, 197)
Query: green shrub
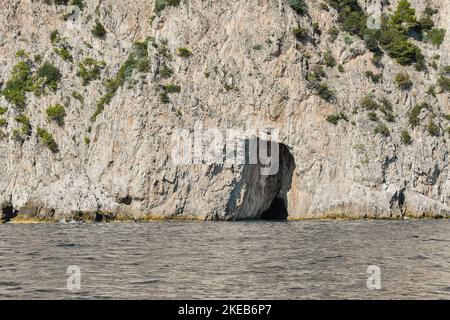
(374, 77)
(64, 53)
(56, 113)
(403, 81)
(373, 116)
(25, 127)
(54, 36)
(369, 103)
(160, 5)
(47, 139)
(329, 60)
(436, 36)
(444, 83)
(432, 91)
(99, 30)
(3, 122)
(16, 135)
(299, 6)
(301, 34)
(172, 88)
(429, 11)
(351, 16)
(433, 128)
(90, 70)
(335, 118)
(404, 18)
(164, 97)
(382, 129)
(184, 52)
(22, 54)
(406, 137)
(79, 3)
(334, 34)
(325, 92)
(112, 85)
(426, 23)
(78, 96)
(86, 140)
(50, 75)
(20, 83)
(166, 72)
(413, 118)
(3, 111)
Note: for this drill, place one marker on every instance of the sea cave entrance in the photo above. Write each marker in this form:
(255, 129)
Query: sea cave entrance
(266, 196)
(276, 206)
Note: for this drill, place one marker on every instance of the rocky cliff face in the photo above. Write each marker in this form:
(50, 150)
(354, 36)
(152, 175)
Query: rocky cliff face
(227, 64)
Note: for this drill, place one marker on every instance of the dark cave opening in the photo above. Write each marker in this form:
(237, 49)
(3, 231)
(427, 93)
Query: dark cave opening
(278, 186)
(276, 211)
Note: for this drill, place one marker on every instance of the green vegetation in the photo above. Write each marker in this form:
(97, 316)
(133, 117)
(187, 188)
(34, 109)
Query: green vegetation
(369, 103)
(64, 53)
(373, 116)
(99, 30)
(56, 113)
(444, 83)
(184, 52)
(393, 35)
(166, 72)
(79, 3)
(164, 97)
(54, 36)
(20, 83)
(299, 6)
(372, 104)
(17, 136)
(47, 139)
(172, 88)
(78, 96)
(316, 84)
(90, 70)
(382, 129)
(3, 122)
(374, 77)
(86, 140)
(403, 81)
(406, 137)
(436, 36)
(334, 34)
(22, 54)
(125, 72)
(160, 5)
(329, 60)
(414, 115)
(301, 34)
(432, 91)
(433, 129)
(25, 127)
(335, 118)
(61, 46)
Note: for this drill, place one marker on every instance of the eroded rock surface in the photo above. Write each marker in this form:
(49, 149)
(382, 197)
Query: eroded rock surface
(246, 69)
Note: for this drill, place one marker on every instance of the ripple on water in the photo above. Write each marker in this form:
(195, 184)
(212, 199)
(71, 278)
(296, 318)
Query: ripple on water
(295, 260)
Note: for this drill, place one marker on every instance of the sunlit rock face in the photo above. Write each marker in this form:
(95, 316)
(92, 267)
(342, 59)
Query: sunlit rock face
(244, 67)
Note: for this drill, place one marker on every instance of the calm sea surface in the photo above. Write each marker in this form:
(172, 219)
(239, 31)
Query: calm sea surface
(223, 260)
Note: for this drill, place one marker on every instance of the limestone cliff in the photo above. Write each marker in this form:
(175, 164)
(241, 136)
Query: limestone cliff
(104, 151)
